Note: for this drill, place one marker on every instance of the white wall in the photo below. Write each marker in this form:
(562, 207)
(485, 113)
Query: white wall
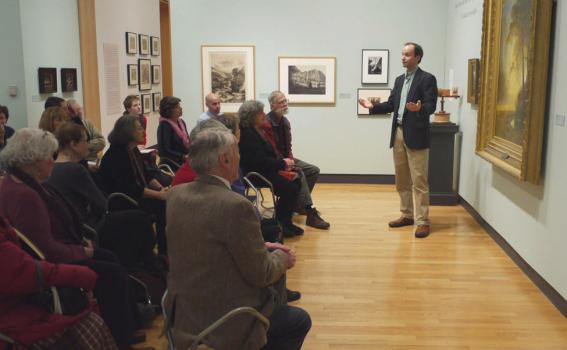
(112, 23)
(333, 137)
(50, 38)
(529, 217)
(12, 67)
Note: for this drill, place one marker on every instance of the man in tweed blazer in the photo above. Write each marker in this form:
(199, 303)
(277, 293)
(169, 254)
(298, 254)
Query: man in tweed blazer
(218, 260)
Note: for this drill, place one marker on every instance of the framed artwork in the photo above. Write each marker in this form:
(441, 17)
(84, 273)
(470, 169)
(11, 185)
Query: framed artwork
(156, 74)
(146, 103)
(144, 44)
(156, 98)
(513, 89)
(132, 74)
(473, 81)
(68, 79)
(47, 80)
(155, 45)
(228, 71)
(144, 74)
(307, 79)
(375, 66)
(372, 95)
(131, 43)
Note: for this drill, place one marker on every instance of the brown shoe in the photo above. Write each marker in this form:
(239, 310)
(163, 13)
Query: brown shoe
(314, 219)
(401, 222)
(422, 231)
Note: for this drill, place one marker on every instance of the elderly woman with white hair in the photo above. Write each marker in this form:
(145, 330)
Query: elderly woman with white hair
(48, 220)
(257, 154)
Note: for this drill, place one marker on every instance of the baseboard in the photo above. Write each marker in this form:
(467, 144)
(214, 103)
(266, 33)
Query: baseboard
(356, 179)
(556, 299)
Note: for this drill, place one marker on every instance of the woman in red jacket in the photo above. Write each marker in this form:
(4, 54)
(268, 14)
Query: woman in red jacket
(29, 324)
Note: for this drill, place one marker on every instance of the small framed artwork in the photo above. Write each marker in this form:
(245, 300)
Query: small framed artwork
(156, 99)
(156, 74)
(68, 79)
(132, 74)
(144, 42)
(155, 45)
(146, 103)
(473, 81)
(372, 95)
(131, 43)
(144, 74)
(47, 80)
(228, 71)
(307, 80)
(375, 66)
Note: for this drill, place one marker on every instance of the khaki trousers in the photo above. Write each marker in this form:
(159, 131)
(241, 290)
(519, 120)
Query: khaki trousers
(411, 180)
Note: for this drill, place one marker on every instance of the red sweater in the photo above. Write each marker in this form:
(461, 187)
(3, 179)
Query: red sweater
(184, 175)
(20, 319)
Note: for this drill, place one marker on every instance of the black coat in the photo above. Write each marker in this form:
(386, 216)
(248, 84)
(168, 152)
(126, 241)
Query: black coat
(256, 154)
(169, 144)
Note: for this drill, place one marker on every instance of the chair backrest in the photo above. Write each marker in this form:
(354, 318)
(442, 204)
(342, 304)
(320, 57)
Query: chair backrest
(168, 321)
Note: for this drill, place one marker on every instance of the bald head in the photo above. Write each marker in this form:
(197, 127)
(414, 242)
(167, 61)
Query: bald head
(212, 101)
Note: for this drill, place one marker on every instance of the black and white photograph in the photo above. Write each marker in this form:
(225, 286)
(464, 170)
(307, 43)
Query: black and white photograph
(145, 74)
(375, 66)
(132, 74)
(156, 74)
(144, 44)
(68, 79)
(131, 43)
(307, 79)
(155, 45)
(156, 98)
(146, 103)
(374, 96)
(228, 71)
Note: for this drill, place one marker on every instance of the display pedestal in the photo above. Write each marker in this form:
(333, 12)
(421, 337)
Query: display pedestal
(441, 160)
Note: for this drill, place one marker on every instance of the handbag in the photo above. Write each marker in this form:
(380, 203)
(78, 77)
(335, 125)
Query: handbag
(60, 300)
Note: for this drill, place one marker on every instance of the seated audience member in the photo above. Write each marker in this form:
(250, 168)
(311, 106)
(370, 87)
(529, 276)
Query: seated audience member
(218, 265)
(5, 131)
(52, 118)
(54, 101)
(212, 101)
(258, 155)
(122, 169)
(49, 221)
(133, 106)
(94, 137)
(28, 323)
(172, 136)
(278, 130)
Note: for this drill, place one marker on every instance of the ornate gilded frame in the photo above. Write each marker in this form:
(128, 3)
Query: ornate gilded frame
(523, 117)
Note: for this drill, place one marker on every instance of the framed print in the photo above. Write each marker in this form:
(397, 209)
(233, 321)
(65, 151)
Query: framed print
(131, 43)
(144, 44)
(156, 98)
(228, 71)
(372, 95)
(146, 103)
(132, 74)
(473, 81)
(68, 79)
(156, 74)
(47, 80)
(375, 66)
(155, 45)
(307, 79)
(144, 74)
(513, 85)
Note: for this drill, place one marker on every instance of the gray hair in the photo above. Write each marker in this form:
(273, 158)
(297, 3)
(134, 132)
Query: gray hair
(273, 95)
(27, 146)
(205, 125)
(206, 148)
(231, 121)
(248, 112)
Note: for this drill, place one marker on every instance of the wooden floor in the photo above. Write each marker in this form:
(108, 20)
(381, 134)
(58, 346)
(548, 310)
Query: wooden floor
(367, 286)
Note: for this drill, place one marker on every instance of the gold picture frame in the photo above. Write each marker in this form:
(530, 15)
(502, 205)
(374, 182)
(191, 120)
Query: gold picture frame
(473, 81)
(514, 68)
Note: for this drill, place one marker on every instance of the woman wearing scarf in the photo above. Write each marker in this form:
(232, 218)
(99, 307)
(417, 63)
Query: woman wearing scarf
(172, 136)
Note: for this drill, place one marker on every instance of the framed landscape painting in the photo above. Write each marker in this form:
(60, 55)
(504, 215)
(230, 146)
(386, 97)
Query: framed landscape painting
(144, 74)
(372, 95)
(307, 80)
(375, 66)
(228, 71)
(513, 90)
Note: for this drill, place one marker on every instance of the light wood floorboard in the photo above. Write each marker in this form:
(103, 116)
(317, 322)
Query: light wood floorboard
(367, 286)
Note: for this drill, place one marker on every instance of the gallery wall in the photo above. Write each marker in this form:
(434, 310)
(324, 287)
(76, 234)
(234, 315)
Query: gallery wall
(530, 217)
(12, 67)
(333, 137)
(113, 20)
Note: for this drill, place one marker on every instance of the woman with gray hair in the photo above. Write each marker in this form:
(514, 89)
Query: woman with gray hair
(172, 136)
(40, 212)
(258, 155)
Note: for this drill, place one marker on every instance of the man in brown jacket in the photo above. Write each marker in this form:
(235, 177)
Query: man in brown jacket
(218, 260)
